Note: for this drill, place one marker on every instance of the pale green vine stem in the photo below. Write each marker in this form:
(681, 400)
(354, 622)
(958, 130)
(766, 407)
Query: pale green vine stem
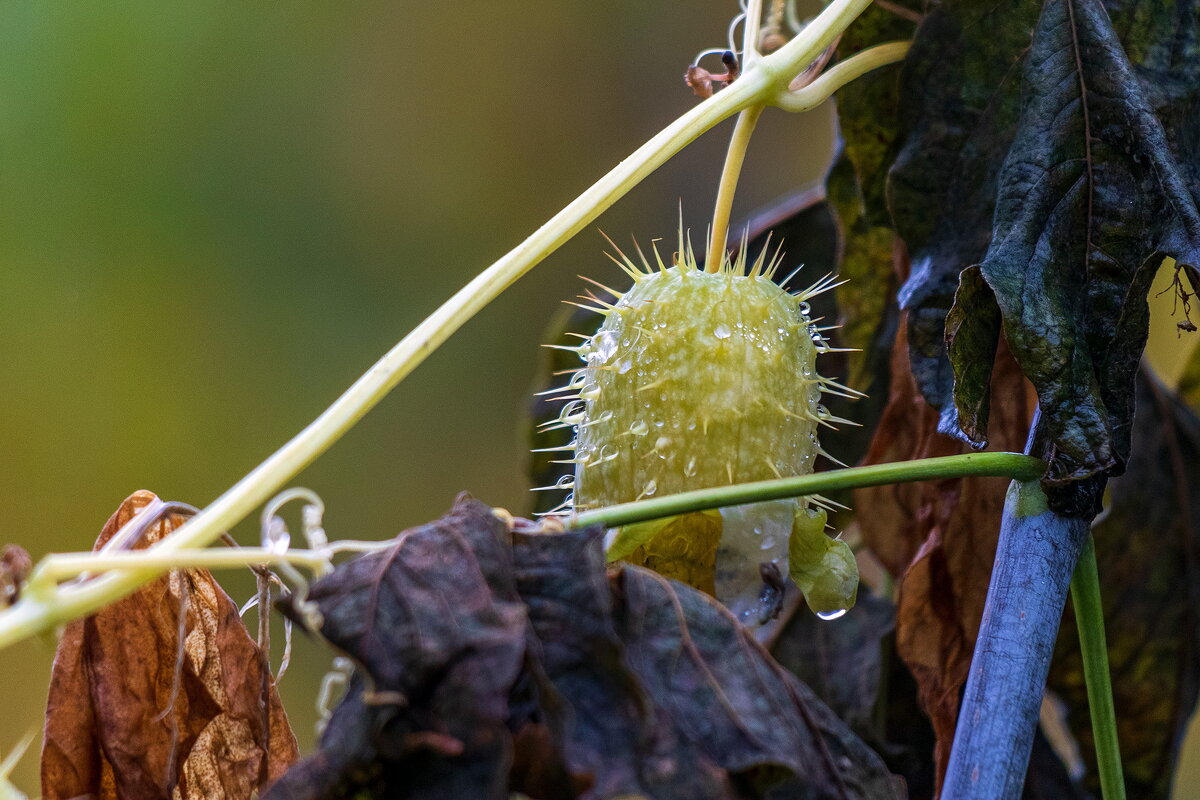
(734, 159)
(764, 80)
(840, 74)
(735, 156)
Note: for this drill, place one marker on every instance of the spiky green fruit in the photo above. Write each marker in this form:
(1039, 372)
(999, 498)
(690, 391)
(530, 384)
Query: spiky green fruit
(701, 379)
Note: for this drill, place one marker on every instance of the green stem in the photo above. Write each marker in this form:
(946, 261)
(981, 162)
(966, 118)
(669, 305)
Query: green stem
(1089, 618)
(1002, 465)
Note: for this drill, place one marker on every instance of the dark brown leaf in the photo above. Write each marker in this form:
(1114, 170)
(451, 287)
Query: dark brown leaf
(617, 684)
(132, 715)
(615, 740)
(437, 628)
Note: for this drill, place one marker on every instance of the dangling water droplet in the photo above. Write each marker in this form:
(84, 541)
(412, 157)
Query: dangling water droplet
(639, 428)
(829, 615)
(722, 331)
(767, 543)
(650, 489)
(805, 308)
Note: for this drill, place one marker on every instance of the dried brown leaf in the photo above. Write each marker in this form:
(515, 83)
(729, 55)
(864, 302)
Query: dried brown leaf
(494, 661)
(130, 714)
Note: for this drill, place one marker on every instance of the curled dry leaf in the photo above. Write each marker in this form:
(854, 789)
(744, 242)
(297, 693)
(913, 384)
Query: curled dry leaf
(131, 714)
(492, 662)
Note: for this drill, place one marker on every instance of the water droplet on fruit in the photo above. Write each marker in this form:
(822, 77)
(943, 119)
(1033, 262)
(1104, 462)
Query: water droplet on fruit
(624, 366)
(828, 615)
(604, 344)
(722, 331)
(690, 469)
(639, 428)
(767, 543)
(651, 488)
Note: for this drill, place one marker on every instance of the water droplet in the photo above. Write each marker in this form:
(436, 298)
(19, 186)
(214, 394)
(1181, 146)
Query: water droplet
(604, 344)
(651, 488)
(658, 423)
(624, 366)
(607, 453)
(828, 615)
(805, 308)
(722, 331)
(639, 428)
(662, 443)
(690, 469)
(767, 543)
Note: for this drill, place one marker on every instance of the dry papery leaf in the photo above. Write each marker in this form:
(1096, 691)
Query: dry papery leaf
(938, 537)
(131, 714)
(493, 661)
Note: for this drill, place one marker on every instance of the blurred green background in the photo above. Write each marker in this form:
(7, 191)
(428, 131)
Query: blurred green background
(213, 217)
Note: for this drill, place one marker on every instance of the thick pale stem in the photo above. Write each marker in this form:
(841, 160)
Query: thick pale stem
(734, 158)
(756, 85)
(1089, 619)
(1035, 557)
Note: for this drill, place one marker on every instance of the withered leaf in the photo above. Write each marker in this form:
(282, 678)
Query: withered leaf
(615, 741)
(703, 711)
(470, 637)
(1147, 544)
(132, 715)
(1063, 163)
(439, 634)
